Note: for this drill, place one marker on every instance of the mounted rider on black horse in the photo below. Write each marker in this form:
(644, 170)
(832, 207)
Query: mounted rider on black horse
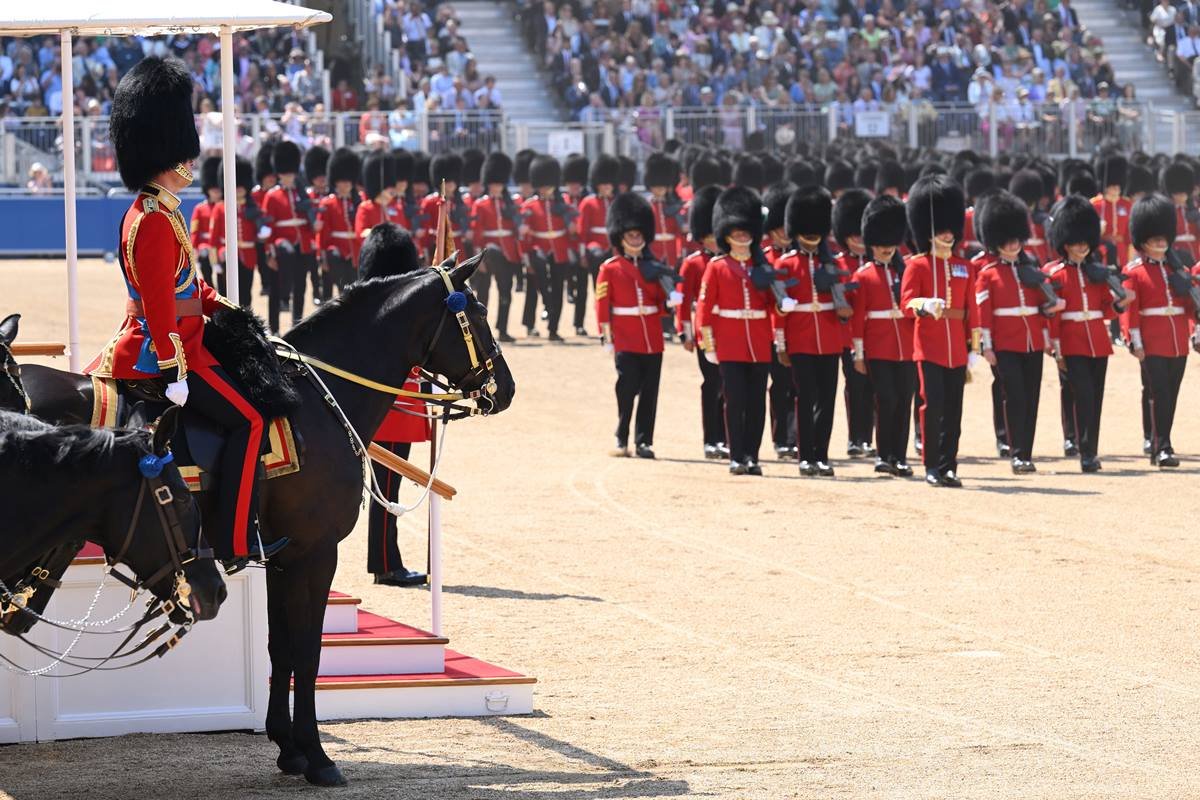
(161, 339)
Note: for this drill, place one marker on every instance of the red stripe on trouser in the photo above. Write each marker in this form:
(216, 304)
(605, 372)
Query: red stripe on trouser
(924, 405)
(249, 462)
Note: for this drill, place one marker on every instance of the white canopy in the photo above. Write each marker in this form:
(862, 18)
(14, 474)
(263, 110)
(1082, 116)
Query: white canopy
(152, 17)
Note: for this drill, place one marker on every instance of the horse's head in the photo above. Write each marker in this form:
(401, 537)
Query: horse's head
(12, 391)
(462, 346)
(157, 534)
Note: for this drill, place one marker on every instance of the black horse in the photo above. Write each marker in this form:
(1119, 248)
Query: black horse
(59, 486)
(12, 393)
(378, 330)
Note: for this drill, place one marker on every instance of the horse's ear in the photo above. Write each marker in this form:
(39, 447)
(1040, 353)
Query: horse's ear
(450, 261)
(460, 274)
(164, 430)
(8, 328)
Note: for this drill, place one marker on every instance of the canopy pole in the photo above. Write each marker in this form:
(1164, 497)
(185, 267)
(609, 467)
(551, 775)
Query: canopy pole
(68, 119)
(229, 160)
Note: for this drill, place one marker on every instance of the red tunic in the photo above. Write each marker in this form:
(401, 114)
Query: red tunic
(337, 232)
(430, 209)
(400, 427)
(968, 245)
(667, 245)
(1038, 245)
(1008, 310)
(812, 327)
(849, 263)
(160, 271)
(397, 216)
(247, 236)
(573, 238)
(1114, 222)
(287, 225)
(1164, 320)
(631, 305)
(201, 215)
(879, 329)
(546, 232)
(733, 314)
(942, 341)
(368, 215)
(1081, 328)
(692, 272)
(591, 224)
(1186, 238)
(489, 226)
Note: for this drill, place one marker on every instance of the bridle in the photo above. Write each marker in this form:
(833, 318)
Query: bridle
(15, 601)
(12, 371)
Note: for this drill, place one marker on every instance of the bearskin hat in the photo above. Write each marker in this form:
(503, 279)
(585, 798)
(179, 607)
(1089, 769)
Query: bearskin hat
(521, 164)
(725, 166)
(700, 216)
(497, 168)
(1178, 178)
(575, 169)
(344, 165)
(421, 162)
(809, 212)
(839, 176)
(800, 172)
(286, 158)
(772, 169)
(775, 201)
(1072, 220)
(848, 214)
(738, 207)
(545, 171)
(884, 222)
(404, 164)
(388, 250)
(243, 172)
(378, 173)
(1084, 184)
(1139, 180)
(152, 127)
(445, 167)
(1002, 218)
(1027, 185)
(1153, 215)
(935, 204)
(316, 162)
(979, 182)
(605, 169)
(627, 175)
(264, 162)
(472, 165)
(748, 172)
(629, 211)
(705, 171)
(890, 176)
(1112, 171)
(210, 174)
(865, 174)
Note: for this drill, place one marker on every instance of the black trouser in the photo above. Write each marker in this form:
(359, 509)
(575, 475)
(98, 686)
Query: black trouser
(941, 414)
(245, 282)
(815, 379)
(859, 400)
(290, 279)
(206, 270)
(744, 384)
(1085, 376)
(998, 408)
(637, 379)
(536, 278)
(1067, 401)
(321, 281)
(481, 284)
(383, 553)
(712, 402)
(1161, 377)
(271, 280)
(782, 395)
(893, 383)
(1020, 377)
(585, 274)
(503, 271)
(1147, 421)
(557, 280)
(341, 273)
(214, 396)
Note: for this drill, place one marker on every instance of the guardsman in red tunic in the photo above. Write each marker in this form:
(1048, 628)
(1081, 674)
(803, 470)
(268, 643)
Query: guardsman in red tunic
(575, 178)
(938, 290)
(377, 179)
(403, 209)
(590, 230)
(628, 308)
(781, 395)
(337, 240)
(265, 179)
(545, 245)
(1079, 333)
(1114, 209)
(1179, 183)
(445, 169)
(810, 334)
(1158, 321)
(704, 171)
(1012, 320)
(735, 328)
(495, 222)
(247, 231)
(154, 134)
(857, 395)
(977, 183)
(662, 173)
(881, 335)
(712, 404)
(210, 184)
(291, 239)
(316, 189)
(389, 250)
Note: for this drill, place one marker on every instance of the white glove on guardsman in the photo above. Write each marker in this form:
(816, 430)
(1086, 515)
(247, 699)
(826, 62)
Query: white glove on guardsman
(934, 307)
(674, 299)
(787, 305)
(711, 357)
(177, 392)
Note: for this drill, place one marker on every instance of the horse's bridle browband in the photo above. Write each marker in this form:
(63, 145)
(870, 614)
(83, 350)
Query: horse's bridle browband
(10, 364)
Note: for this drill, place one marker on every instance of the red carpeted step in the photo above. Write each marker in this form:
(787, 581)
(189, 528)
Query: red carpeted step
(460, 670)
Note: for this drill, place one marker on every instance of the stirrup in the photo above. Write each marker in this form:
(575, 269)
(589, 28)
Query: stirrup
(268, 551)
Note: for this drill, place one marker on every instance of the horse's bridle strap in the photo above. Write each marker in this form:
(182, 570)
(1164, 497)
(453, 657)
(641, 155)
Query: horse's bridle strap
(324, 366)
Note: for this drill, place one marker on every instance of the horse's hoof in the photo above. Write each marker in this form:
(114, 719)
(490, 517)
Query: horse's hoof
(326, 776)
(292, 765)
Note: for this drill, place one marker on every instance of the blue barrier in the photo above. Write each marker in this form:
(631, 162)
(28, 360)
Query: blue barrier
(33, 226)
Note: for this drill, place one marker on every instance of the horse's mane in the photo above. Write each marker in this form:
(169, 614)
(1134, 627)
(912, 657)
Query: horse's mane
(355, 300)
(29, 444)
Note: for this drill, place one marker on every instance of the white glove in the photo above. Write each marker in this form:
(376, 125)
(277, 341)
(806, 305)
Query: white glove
(972, 359)
(608, 347)
(202, 252)
(674, 299)
(934, 307)
(177, 392)
(218, 268)
(264, 232)
(787, 305)
(711, 357)
(286, 246)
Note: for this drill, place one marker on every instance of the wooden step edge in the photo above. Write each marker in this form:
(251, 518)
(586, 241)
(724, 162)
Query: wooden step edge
(343, 601)
(88, 561)
(426, 683)
(405, 640)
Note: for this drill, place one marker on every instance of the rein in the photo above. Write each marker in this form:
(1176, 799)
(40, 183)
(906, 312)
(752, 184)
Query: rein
(12, 371)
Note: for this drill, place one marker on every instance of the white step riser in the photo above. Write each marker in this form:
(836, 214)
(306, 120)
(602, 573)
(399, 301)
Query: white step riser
(340, 618)
(424, 701)
(385, 659)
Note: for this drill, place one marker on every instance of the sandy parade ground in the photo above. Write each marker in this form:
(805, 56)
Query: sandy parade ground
(698, 634)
